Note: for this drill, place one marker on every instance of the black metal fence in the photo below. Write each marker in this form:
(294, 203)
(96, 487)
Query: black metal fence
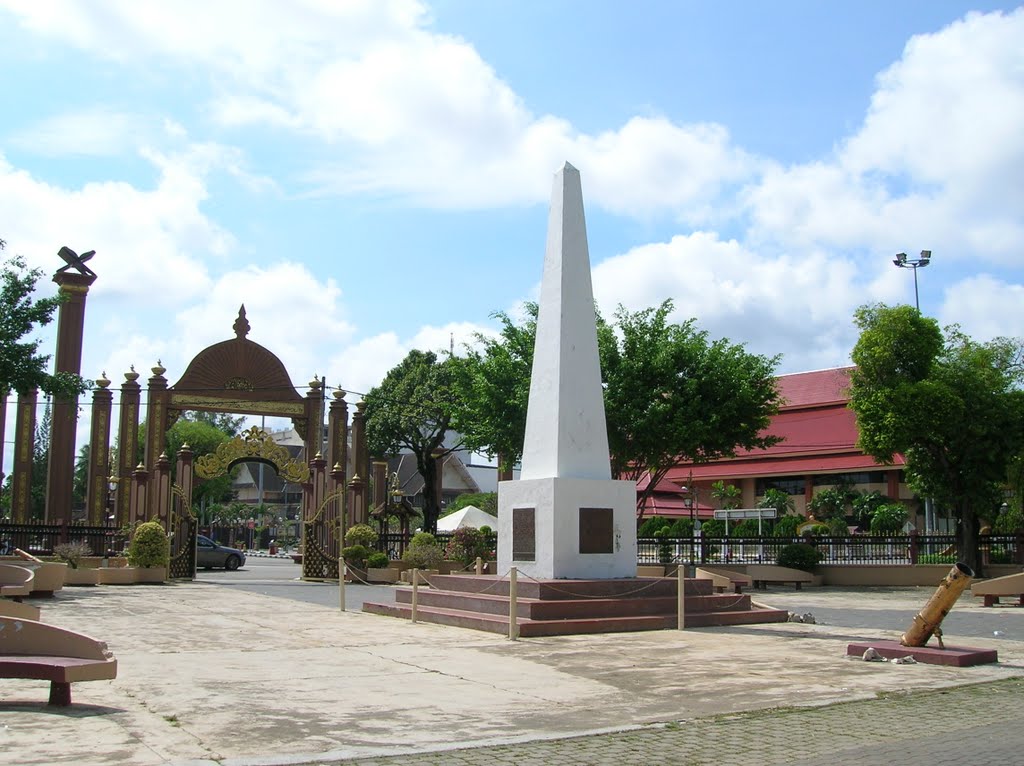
(915, 548)
(851, 549)
(41, 539)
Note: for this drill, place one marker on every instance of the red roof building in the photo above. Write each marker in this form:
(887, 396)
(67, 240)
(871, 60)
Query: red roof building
(818, 443)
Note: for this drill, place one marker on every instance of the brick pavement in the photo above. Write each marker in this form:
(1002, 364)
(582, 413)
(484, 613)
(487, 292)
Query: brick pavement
(975, 725)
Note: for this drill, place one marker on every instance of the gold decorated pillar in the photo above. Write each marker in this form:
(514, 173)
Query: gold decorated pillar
(137, 504)
(128, 445)
(99, 454)
(156, 431)
(380, 487)
(337, 431)
(360, 465)
(160, 487)
(24, 448)
(313, 433)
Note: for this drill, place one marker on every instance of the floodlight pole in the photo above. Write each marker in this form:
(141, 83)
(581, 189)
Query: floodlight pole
(902, 261)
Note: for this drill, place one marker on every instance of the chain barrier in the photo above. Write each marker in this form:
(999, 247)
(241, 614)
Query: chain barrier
(641, 589)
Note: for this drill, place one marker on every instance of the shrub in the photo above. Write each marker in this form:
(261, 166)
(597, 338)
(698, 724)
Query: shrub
(799, 556)
(681, 528)
(377, 561)
(72, 552)
(888, 519)
(747, 528)
(423, 552)
(149, 546)
(838, 527)
(652, 525)
(361, 534)
(713, 528)
(815, 529)
(664, 546)
(466, 544)
(937, 558)
(786, 526)
(356, 555)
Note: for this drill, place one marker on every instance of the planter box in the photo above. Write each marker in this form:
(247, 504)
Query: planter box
(82, 576)
(150, 574)
(383, 574)
(116, 575)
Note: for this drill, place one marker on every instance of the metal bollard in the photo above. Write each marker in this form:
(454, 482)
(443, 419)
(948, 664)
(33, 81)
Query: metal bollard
(927, 621)
(415, 593)
(513, 621)
(341, 584)
(681, 597)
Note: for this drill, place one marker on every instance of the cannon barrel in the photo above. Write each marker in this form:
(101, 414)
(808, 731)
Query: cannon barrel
(927, 621)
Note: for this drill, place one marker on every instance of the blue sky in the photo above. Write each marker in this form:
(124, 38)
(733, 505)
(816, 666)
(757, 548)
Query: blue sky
(373, 176)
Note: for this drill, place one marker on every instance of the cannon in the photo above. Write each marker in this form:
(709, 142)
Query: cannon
(926, 622)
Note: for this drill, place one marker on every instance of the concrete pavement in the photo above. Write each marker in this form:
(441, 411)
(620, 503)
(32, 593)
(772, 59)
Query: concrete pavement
(208, 675)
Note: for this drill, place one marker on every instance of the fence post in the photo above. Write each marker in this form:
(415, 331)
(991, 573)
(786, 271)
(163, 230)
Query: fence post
(415, 593)
(703, 547)
(342, 571)
(513, 609)
(681, 597)
(63, 535)
(913, 546)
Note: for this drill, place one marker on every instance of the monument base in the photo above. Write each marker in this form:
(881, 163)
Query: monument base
(569, 607)
(559, 528)
(956, 656)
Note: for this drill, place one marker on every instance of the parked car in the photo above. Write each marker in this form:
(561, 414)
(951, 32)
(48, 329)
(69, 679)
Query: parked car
(210, 553)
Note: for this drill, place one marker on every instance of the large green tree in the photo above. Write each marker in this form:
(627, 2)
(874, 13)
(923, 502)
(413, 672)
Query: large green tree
(22, 367)
(412, 410)
(671, 393)
(952, 406)
(202, 438)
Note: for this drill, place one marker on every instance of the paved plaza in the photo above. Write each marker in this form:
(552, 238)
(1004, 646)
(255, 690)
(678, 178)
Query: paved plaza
(210, 674)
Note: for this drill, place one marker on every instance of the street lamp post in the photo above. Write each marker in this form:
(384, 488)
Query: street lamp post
(688, 500)
(902, 261)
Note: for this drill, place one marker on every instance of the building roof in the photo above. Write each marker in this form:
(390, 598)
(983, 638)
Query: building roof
(818, 434)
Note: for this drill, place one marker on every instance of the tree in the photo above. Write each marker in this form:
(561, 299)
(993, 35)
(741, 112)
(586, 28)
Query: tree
(80, 480)
(485, 501)
(953, 407)
(22, 367)
(728, 495)
(494, 388)
(202, 438)
(412, 409)
(671, 394)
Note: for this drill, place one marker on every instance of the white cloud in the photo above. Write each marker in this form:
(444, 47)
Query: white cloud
(985, 307)
(938, 163)
(96, 131)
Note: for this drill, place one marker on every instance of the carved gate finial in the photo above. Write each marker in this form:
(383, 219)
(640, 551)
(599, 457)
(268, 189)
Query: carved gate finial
(241, 325)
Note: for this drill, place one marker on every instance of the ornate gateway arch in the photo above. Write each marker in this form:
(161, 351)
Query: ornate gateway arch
(241, 376)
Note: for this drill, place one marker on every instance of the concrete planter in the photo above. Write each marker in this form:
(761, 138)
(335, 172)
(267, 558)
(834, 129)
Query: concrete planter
(116, 575)
(82, 576)
(150, 574)
(383, 574)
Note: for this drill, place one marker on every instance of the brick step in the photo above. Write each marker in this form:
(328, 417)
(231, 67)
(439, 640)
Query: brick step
(527, 628)
(636, 587)
(564, 609)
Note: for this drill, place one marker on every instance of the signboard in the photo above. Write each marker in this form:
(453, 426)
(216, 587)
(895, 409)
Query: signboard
(738, 514)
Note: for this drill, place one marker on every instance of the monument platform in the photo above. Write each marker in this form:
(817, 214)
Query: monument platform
(959, 657)
(567, 607)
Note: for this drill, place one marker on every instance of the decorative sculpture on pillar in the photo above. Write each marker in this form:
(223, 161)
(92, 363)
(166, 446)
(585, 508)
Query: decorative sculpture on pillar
(74, 287)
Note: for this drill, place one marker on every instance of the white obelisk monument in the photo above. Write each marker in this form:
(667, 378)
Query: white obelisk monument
(566, 517)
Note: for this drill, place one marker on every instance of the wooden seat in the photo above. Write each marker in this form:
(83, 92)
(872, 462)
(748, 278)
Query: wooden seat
(763, 574)
(35, 650)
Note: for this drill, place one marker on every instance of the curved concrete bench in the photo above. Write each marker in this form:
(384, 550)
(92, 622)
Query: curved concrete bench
(991, 590)
(35, 650)
(723, 579)
(15, 581)
(762, 574)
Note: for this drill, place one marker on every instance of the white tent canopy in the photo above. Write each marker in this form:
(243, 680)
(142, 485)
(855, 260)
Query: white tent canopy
(470, 516)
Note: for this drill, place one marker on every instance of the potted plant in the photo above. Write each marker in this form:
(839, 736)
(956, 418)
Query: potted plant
(360, 539)
(423, 553)
(377, 569)
(150, 552)
(72, 554)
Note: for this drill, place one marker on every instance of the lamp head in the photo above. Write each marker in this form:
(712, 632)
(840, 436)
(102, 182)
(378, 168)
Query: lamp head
(926, 257)
(900, 259)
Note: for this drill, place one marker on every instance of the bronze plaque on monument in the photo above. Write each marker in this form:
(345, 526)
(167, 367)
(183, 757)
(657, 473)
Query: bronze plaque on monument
(597, 534)
(524, 534)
